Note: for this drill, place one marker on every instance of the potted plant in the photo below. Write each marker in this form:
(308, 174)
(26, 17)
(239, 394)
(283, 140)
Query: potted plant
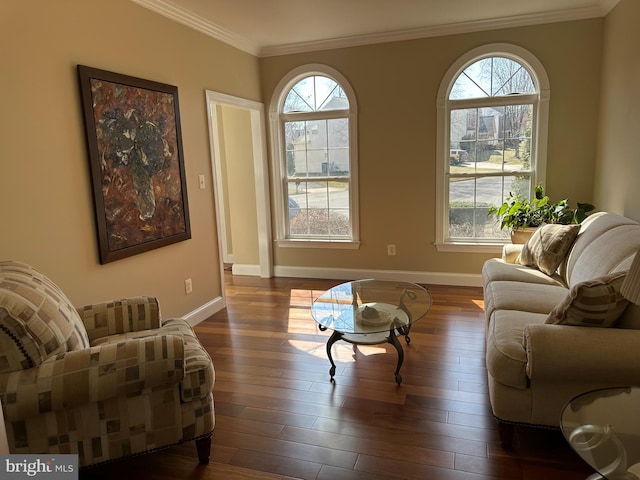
(523, 216)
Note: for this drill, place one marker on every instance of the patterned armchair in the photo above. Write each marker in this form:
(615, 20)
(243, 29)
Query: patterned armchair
(104, 381)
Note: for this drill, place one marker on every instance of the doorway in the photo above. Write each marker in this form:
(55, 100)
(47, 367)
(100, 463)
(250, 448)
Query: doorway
(242, 114)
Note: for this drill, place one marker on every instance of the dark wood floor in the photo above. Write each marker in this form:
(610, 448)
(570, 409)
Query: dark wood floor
(278, 417)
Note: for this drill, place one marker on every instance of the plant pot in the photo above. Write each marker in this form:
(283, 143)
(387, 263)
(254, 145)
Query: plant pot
(521, 235)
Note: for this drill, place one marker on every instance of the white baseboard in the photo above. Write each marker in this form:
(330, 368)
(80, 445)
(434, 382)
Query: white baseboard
(250, 270)
(434, 278)
(205, 311)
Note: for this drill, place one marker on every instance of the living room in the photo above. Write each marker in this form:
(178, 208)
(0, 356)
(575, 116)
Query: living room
(45, 188)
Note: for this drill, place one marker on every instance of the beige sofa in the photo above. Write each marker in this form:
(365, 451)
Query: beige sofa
(534, 366)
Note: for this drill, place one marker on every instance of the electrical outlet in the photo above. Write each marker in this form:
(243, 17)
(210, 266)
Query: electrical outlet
(188, 286)
(391, 250)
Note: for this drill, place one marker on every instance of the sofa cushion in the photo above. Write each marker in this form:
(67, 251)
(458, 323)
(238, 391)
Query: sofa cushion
(37, 320)
(606, 244)
(595, 303)
(520, 296)
(496, 269)
(548, 246)
(630, 318)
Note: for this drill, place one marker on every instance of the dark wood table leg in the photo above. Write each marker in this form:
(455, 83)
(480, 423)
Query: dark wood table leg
(335, 336)
(393, 340)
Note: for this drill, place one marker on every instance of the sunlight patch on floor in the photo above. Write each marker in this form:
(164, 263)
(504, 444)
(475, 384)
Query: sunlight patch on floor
(341, 351)
(478, 303)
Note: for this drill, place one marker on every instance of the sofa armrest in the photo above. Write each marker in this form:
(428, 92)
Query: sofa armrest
(582, 354)
(93, 374)
(120, 316)
(510, 252)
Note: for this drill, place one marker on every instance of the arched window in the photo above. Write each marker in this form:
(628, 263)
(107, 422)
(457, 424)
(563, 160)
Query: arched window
(313, 127)
(492, 124)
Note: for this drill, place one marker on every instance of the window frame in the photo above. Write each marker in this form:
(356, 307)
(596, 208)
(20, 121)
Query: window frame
(540, 122)
(276, 120)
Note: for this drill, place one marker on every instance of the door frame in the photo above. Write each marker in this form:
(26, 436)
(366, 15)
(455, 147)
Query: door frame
(261, 174)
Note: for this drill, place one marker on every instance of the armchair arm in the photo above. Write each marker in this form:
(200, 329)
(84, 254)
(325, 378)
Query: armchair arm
(120, 316)
(583, 354)
(510, 252)
(93, 374)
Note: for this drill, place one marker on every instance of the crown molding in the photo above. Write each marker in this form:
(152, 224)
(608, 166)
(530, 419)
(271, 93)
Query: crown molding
(608, 5)
(201, 24)
(437, 31)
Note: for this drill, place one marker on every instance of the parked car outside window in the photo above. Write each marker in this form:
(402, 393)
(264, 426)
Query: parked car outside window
(456, 157)
(294, 208)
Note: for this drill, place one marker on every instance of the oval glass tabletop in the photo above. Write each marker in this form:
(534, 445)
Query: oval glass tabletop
(603, 427)
(370, 306)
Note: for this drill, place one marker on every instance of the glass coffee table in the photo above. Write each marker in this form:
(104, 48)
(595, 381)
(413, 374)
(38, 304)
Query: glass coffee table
(603, 427)
(371, 312)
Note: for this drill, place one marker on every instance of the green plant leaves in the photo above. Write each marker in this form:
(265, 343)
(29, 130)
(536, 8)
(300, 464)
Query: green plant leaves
(518, 212)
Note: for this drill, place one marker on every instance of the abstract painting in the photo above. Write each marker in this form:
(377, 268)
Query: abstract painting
(136, 162)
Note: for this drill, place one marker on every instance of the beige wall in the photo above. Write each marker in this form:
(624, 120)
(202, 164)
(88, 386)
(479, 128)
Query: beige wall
(223, 193)
(240, 180)
(396, 86)
(45, 194)
(617, 174)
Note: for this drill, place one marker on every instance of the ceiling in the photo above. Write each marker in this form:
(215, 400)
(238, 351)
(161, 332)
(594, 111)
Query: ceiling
(275, 27)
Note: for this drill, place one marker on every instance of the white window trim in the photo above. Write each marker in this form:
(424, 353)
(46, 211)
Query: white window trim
(541, 82)
(278, 164)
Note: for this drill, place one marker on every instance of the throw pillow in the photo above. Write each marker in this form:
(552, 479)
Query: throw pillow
(548, 246)
(595, 303)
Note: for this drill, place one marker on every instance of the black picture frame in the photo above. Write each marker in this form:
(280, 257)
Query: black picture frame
(136, 161)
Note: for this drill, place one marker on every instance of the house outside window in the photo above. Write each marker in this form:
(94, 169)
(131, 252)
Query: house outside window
(313, 128)
(492, 124)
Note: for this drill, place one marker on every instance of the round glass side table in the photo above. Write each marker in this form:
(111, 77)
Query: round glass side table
(603, 427)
